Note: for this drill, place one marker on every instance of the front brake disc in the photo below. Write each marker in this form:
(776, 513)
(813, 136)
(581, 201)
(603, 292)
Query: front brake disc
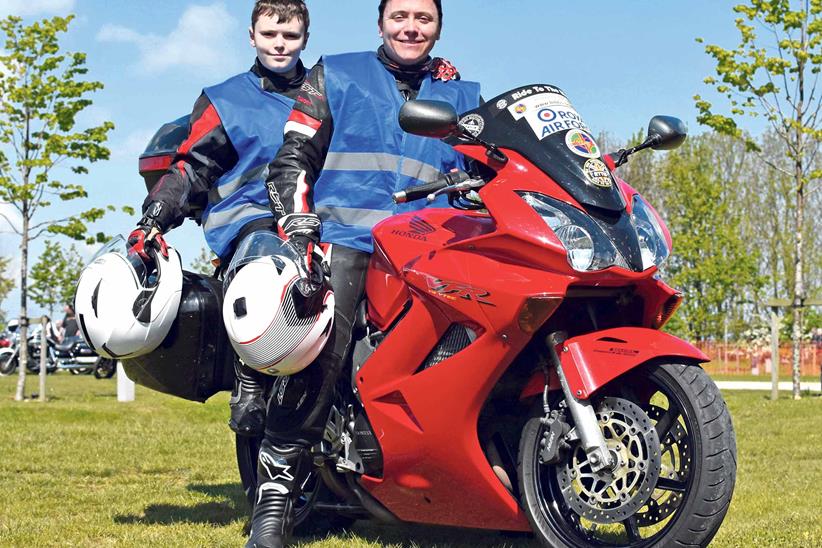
(613, 496)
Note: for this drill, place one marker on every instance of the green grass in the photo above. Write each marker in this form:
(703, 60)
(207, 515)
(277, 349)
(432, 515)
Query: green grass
(85, 470)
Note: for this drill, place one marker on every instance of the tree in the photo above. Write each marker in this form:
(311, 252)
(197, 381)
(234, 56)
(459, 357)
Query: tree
(776, 75)
(202, 263)
(41, 93)
(6, 285)
(711, 263)
(54, 276)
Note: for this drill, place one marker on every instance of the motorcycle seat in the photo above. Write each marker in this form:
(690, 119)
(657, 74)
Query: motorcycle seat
(64, 346)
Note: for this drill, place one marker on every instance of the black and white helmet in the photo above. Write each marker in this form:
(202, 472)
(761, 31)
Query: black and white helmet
(271, 329)
(124, 306)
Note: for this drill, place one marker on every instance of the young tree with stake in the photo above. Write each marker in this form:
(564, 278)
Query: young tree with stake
(41, 93)
(775, 74)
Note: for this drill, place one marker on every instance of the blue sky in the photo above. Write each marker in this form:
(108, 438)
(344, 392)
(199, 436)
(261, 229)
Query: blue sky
(619, 62)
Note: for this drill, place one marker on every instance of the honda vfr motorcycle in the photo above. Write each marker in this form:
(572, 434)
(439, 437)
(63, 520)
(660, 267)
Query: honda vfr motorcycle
(509, 370)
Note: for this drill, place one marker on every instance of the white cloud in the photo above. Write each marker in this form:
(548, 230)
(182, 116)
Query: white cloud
(198, 42)
(132, 145)
(10, 219)
(24, 8)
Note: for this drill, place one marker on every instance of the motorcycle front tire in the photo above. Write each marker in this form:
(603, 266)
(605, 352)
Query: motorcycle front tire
(8, 362)
(696, 438)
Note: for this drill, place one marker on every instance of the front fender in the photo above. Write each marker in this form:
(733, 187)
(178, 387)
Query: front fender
(593, 360)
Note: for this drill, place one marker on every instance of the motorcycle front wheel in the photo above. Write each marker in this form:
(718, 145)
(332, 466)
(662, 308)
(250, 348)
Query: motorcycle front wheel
(671, 432)
(8, 362)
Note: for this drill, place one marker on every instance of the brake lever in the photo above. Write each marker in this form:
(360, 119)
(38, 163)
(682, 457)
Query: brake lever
(470, 184)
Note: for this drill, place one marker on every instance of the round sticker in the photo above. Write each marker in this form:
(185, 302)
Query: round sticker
(520, 108)
(547, 115)
(597, 173)
(473, 123)
(502, 103)
(581, 144)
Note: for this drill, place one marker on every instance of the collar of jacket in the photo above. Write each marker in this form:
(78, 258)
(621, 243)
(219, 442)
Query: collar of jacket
(271, 81)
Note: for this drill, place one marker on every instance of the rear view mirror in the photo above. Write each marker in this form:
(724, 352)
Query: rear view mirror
(666, 132)
(436, 119)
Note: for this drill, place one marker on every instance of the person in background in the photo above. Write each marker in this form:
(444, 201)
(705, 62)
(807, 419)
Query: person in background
(68, 326)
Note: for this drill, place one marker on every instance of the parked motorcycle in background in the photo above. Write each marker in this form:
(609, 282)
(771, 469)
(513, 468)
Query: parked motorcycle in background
(10, 350)
(72, 354)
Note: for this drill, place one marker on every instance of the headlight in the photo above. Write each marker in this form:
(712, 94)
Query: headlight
(651, 238)
(587, 246)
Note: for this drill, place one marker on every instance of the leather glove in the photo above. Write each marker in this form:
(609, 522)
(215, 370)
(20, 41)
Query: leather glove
(148, 233)
(302, 232)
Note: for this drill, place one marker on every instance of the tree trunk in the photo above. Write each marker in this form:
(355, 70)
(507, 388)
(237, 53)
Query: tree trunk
(799, 221)
(24, 320)
(799, 290)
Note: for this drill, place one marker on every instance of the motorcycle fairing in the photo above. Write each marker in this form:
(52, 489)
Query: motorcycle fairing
(593, 360)
(426, 420)
(497, 121)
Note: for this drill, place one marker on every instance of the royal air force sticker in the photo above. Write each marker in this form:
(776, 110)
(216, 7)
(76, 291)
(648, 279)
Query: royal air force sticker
(547, 114)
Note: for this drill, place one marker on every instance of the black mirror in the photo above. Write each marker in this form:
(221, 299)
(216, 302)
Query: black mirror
(429, 119)
(666, 132)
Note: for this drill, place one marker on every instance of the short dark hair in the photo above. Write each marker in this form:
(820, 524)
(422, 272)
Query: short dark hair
(285, 10)
(437, 3)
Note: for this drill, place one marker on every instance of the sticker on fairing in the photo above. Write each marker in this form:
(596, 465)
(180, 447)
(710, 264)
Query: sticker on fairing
(597, 173)
(473, 123)
(582, 144)
(547, 114)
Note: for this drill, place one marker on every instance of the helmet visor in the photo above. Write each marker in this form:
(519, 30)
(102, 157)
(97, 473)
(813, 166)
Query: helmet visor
(145, 275)
(258, 245)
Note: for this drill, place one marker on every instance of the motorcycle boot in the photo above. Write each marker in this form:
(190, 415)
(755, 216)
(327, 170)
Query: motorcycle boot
(281, 471)
(247, 401)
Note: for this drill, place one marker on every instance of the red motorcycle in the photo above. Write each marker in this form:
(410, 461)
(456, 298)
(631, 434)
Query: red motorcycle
(510, 372)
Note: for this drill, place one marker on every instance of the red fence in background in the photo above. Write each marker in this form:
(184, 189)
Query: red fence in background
(744, 359)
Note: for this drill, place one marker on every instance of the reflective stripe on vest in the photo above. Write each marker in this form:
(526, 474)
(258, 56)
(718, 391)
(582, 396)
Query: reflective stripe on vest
(253, 120)
(370, 157)
(363, 161)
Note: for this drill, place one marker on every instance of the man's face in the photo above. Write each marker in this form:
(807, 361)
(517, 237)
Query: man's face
(278, 44)
(409, 29)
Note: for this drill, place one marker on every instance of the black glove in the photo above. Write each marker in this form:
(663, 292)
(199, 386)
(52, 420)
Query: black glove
(302, 232)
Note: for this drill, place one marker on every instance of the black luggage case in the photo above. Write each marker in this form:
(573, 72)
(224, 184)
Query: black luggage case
(195, 361)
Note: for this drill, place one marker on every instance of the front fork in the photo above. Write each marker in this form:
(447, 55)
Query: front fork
(585, 418)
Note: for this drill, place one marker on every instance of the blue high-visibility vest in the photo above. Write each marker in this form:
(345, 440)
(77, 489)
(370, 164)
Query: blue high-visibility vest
(369, 156)
(253, 119)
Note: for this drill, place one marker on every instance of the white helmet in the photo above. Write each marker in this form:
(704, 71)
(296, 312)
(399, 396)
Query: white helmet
(124, 307)
(264, 323)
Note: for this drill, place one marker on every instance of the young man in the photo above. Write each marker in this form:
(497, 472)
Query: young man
(235, 130)
(343, 156)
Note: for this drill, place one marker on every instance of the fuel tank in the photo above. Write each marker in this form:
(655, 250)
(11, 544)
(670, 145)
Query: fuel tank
(401, 240)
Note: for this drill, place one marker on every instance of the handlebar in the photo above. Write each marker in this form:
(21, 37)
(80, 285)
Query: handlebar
(421, 191)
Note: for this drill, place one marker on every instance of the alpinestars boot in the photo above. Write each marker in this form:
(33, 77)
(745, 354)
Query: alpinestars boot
(281, 470)
(247, 402)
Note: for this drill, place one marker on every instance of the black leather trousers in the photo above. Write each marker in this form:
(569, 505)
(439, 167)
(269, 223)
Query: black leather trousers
(300, 403)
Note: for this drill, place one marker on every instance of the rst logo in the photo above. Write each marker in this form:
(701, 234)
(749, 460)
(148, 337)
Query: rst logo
(454, 291)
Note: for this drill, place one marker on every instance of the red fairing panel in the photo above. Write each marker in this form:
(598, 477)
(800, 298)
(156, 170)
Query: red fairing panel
(591, 361)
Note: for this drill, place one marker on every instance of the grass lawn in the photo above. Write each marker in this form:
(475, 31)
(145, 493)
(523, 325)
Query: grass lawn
(85, 470)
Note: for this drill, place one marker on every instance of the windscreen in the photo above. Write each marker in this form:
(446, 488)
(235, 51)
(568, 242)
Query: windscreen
(539, 122)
